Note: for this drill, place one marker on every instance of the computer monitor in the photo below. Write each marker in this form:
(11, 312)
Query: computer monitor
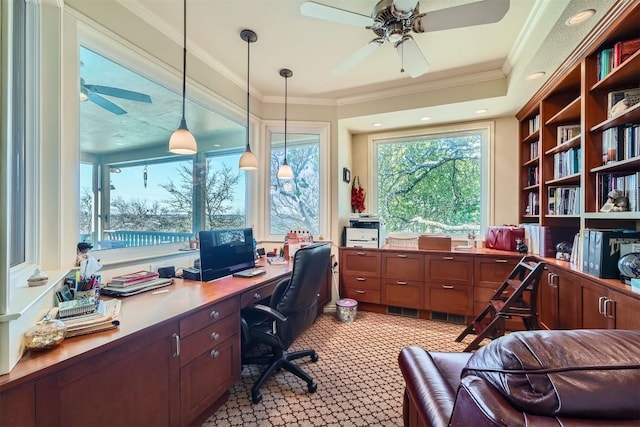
(226, 251)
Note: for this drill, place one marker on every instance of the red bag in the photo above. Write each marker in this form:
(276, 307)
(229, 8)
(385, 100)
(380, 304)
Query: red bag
(503, 237)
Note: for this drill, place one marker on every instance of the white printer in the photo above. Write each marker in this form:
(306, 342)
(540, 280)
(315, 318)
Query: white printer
(364, 231)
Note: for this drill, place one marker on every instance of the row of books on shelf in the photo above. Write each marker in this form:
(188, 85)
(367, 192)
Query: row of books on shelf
(567, 163)
(564, 201)
(568, 132)
(533, 150)
(627, 183)
(533, 177)
(533, 203)
(610, 58)
(620, 143)
(534, 124)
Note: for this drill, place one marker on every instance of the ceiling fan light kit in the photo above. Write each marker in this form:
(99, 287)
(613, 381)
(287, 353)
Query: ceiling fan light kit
(285, 171)
(393, 20)
(248, 160)
(182, 141)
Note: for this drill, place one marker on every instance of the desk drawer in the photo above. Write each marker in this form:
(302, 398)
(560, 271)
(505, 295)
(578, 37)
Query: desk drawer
(362, 295)
(256, 295)
(403, 294)
(360, 282)
(449, 298)
(208, 337)
(208, 316)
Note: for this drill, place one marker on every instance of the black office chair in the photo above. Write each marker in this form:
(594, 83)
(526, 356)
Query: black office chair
(292, 309)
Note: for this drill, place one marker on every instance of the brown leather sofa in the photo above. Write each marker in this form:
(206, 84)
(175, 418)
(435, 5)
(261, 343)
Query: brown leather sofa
(530, 378)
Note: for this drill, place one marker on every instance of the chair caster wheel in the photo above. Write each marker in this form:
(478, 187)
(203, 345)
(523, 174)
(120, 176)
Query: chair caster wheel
(314, 357)
(257, 397)
(313, 387)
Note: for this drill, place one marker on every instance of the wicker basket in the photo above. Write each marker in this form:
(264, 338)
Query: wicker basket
(402, 240)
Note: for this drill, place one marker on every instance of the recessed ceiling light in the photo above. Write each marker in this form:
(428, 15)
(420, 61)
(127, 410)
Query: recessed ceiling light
(424, 119)
(377, 124)
(580, 17)
(536, 75)
(216, 145)
(481, 111)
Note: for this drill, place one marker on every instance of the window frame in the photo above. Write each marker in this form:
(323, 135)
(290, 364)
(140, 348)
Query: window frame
(322, 129)
(487, 131)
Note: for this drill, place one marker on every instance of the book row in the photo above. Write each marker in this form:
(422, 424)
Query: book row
(627, 183)
(533, 177)
(567, 163)
(534, 124)
(620, 143)
(533, 203)
(533, 150)
(564, 201)
(610, 58)
(566, 133)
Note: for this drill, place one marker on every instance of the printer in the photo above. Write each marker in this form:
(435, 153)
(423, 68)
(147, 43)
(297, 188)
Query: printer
(365, 230)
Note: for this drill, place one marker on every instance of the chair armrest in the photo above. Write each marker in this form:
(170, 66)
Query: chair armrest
(267, 311)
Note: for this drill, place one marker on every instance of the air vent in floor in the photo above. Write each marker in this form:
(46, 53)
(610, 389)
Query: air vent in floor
(447, 317)
(401, 311)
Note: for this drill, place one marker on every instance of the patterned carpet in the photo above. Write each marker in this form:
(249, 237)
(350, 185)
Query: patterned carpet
(359, 381)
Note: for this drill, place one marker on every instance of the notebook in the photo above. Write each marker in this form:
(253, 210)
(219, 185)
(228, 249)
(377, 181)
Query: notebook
(251, 272)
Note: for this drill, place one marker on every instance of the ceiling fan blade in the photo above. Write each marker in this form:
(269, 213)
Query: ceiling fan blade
(405, 5)
(466, 15)
(105, 103)
(357, 56)
(412, 58)
(119, 93)
(333, 14)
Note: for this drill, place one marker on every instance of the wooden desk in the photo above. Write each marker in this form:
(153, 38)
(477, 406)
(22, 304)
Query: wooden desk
(172, 359)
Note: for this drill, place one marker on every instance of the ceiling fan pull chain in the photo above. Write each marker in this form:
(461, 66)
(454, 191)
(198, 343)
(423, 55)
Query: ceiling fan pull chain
(402, 58)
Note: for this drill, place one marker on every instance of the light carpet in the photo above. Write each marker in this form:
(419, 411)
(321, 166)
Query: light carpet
(359, 381)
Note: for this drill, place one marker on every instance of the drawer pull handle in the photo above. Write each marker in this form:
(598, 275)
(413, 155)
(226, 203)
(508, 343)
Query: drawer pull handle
(401, 255)
(448, 258)
(215, 353)
(257, 296)
(401, 283)
(360, 279)
(177, 338)
(214, 314)
(360, 291)
(448, 287)
(361, 253)
(502, 261)
(215, 336)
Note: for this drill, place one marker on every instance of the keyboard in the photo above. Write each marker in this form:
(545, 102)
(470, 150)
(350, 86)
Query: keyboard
(251, 272)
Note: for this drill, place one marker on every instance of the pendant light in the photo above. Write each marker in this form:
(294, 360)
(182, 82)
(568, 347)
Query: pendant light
(182, 141)
(285, 171)
(248, 160)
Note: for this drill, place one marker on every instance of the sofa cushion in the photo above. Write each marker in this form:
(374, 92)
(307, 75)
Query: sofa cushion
(582, 373)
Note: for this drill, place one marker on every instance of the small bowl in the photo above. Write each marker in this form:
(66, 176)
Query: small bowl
(37, 281)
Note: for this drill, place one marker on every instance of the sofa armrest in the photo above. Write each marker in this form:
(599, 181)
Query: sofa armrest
(428, 384)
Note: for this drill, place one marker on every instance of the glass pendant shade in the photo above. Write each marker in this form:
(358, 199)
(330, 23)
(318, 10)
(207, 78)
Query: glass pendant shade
(285, 171)
(182, 141)
(248, 160)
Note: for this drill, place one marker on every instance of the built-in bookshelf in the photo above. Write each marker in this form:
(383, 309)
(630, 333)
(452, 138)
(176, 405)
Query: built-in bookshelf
(580, 134)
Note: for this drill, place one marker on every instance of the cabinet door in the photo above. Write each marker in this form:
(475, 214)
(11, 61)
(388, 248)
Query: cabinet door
(401, 293)
(135, 383)
(548, 300)
(17, 406)
(403, 266)
(364, 263)
(449, 269)
(594, 297)
(626, 310)
(448, 298)
(568, 299)
(490, 272)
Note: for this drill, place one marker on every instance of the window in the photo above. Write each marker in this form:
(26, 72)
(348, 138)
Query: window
(432, 183)
(299, 203)
(133, 192)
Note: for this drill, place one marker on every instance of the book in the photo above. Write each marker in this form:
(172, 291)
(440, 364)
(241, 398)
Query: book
(604, 251)
(619, 101)
(277, 261)
(77, 307)
(567, 132)
(133, 278)
(624, 49)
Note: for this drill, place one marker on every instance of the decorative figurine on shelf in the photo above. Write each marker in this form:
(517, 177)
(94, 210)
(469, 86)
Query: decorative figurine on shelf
(521, 246)
(563, 251)
(616, 202)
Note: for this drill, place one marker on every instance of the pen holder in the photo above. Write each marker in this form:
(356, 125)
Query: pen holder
(95, 292)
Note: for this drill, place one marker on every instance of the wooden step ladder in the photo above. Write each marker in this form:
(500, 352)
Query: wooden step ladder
(516, 297)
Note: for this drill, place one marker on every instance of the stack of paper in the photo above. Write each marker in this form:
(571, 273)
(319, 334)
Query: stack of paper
(104, 318)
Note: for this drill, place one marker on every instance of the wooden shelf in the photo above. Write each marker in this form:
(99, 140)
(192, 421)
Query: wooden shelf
(571, 179)
(632, 115)
(570, 113)
(573, 142)
(632, 164)
(532, 137)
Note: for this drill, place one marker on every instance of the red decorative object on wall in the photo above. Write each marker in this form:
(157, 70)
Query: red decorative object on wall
(357, 196)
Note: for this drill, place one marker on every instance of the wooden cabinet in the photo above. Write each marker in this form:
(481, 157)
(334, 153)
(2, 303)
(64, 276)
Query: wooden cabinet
(567, 157)
(489, 274)
(604, 308)
(209, 356)
(547, 300)
(402, 279)
(626, 310)
(449, 284)
(360, 274)
(18, 406)
(567, 292)
(135, 383)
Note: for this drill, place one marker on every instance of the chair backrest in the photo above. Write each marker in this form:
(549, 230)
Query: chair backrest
(297, 298)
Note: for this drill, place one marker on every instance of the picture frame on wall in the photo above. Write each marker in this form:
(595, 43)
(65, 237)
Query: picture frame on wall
(346, 175)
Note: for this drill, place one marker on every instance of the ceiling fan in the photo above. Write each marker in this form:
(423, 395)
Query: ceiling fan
(393, 20)
(92, 93)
